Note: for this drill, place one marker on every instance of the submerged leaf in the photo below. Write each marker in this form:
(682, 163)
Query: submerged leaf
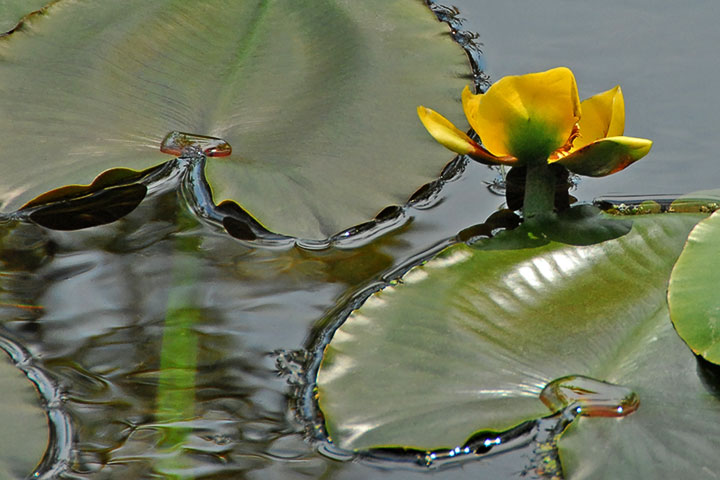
(317, 100)
(99, 208)
(112, 195)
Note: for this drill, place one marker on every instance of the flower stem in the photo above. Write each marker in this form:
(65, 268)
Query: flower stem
(539, 189)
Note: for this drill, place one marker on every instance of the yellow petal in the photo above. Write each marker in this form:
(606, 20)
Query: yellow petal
(456, 140)
(606, 156)
(525, 116)
(603, 115)
(447, 134)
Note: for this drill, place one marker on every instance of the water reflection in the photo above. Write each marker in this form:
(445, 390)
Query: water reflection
(92, 307)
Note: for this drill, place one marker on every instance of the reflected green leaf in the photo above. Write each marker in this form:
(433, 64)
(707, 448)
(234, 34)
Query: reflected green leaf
(176, 405)
(467, 342)
(24, 431)
(317, 100)
(693, 292)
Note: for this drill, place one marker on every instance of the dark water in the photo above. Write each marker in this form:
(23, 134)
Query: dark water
(103, 294)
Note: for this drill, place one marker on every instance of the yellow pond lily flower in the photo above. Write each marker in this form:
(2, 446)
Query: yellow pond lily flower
(538, 116)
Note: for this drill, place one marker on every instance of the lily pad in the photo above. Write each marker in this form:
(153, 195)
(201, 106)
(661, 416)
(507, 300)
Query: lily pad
(12, 12)
(693, 292)
(24, 432)
(467, 342)
(317, 100)
(674, 434)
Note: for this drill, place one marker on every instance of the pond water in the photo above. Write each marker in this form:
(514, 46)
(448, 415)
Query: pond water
(112, 295)
(660, 52)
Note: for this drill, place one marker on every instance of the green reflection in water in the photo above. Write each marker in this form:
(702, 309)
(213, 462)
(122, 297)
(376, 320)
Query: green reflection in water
(178, 360)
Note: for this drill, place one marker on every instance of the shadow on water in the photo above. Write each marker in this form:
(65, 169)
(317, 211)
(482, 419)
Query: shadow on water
(709, 374)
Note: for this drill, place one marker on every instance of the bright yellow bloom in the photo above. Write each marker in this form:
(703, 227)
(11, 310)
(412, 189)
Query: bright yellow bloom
(539, 116)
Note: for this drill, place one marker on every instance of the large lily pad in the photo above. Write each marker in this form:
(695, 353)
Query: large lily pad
(467, 342)
(317, 100)
(24, 432)
(693, 292)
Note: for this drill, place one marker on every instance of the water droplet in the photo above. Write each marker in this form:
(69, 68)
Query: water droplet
(489, 442)
(590, 397)
(189, 144)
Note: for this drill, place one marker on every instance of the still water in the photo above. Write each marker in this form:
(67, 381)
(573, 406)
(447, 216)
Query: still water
(104, 293)
(662, 54)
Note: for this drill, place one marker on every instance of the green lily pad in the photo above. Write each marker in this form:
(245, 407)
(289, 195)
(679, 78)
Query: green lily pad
(693, 292)
(317, 100)
(674, 434)
(467, 342)
(13, 12)
(24, 429)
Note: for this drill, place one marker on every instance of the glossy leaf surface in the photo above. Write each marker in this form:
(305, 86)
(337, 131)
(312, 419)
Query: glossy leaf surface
(467, 342)
(13, 12)
(675, 433)
(693, 293)
(317, 99)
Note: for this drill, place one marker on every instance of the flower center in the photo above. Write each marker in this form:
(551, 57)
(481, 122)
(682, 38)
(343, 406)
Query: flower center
(532, 140)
